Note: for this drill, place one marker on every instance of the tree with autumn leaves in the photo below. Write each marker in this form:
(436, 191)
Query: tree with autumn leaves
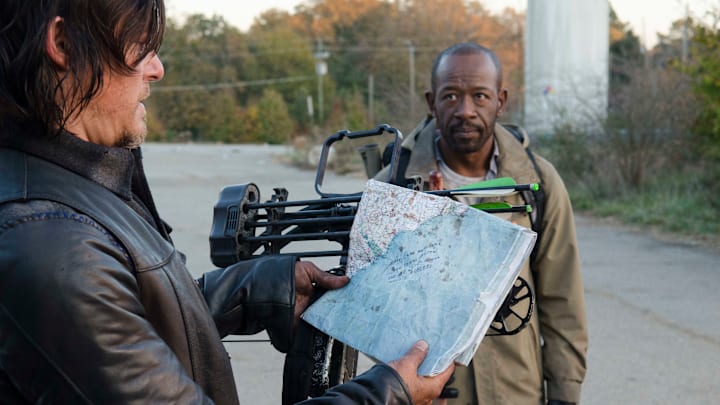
(216, 76)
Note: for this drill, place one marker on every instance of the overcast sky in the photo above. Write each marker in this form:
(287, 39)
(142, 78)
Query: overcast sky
(647, 17)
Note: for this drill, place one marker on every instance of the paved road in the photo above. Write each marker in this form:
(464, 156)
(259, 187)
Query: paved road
(653, 306)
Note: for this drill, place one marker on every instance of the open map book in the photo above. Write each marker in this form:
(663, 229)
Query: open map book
(421, 267)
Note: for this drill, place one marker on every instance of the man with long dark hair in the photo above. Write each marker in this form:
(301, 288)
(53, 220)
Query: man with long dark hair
(96, 305)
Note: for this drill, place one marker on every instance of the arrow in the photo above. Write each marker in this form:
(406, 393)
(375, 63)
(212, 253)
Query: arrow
(489, 188)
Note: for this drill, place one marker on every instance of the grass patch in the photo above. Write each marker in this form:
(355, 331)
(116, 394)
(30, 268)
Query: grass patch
(679, 204)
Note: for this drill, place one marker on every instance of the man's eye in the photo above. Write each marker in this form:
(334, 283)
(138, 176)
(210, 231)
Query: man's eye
(450, 97)
(481, 96)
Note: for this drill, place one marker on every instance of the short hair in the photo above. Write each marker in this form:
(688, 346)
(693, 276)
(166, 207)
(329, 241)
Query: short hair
(100, 34)
(466, 48)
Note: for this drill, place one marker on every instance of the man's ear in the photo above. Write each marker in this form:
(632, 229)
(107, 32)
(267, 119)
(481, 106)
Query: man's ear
(502, 101)
(430, 100)
(56, 43)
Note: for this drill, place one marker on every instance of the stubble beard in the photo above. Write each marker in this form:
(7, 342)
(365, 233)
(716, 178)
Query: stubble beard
(471, 146)
(466, 146)
(132, 140)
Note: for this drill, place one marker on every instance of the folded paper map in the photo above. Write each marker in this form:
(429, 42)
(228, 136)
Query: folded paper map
(421, 267)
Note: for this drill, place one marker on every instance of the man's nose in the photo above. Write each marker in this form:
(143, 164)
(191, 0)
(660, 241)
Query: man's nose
(155, 69)
(465, 108)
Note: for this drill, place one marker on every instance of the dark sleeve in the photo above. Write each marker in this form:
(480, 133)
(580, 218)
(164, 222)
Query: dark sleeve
(72, 328)
(379, 385)
(252, 296)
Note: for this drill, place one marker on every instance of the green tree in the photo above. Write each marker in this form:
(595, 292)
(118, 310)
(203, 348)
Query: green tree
(281, 53)
(197, 95)
(356, 114)
(299, 108)
(626, 53)
(274, 124)
(704, 68)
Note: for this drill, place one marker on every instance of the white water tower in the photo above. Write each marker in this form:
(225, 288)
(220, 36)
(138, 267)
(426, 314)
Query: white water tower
(566, 63)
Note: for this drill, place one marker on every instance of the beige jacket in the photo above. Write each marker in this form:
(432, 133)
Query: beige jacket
(515, 369)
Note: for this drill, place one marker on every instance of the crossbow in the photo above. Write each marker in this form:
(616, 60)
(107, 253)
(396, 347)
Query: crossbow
(245, 227)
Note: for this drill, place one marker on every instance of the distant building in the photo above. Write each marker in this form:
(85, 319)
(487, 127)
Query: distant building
(566, 63)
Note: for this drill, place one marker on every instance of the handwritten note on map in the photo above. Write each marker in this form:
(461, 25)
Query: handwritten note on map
(421, 267)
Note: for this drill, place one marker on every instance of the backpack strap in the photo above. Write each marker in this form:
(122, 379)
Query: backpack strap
(403, 160)
(536, 199)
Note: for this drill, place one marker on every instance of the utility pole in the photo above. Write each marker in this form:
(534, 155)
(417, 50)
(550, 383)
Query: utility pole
(684, 54)
(371, 100)
(411, 73)
(320, 56)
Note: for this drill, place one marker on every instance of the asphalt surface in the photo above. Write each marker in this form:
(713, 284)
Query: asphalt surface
(653, 304)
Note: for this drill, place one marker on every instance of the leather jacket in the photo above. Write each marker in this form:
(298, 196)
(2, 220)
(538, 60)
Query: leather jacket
(97, 306)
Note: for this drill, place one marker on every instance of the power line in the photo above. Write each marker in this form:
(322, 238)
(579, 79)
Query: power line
(231, 85)
(335, 48)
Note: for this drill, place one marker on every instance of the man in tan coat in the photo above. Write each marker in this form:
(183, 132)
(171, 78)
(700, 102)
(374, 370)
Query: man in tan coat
(461, 143)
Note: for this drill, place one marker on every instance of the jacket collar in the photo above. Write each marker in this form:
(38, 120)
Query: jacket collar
(110, 167)
(512, 160)
(421, 142)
